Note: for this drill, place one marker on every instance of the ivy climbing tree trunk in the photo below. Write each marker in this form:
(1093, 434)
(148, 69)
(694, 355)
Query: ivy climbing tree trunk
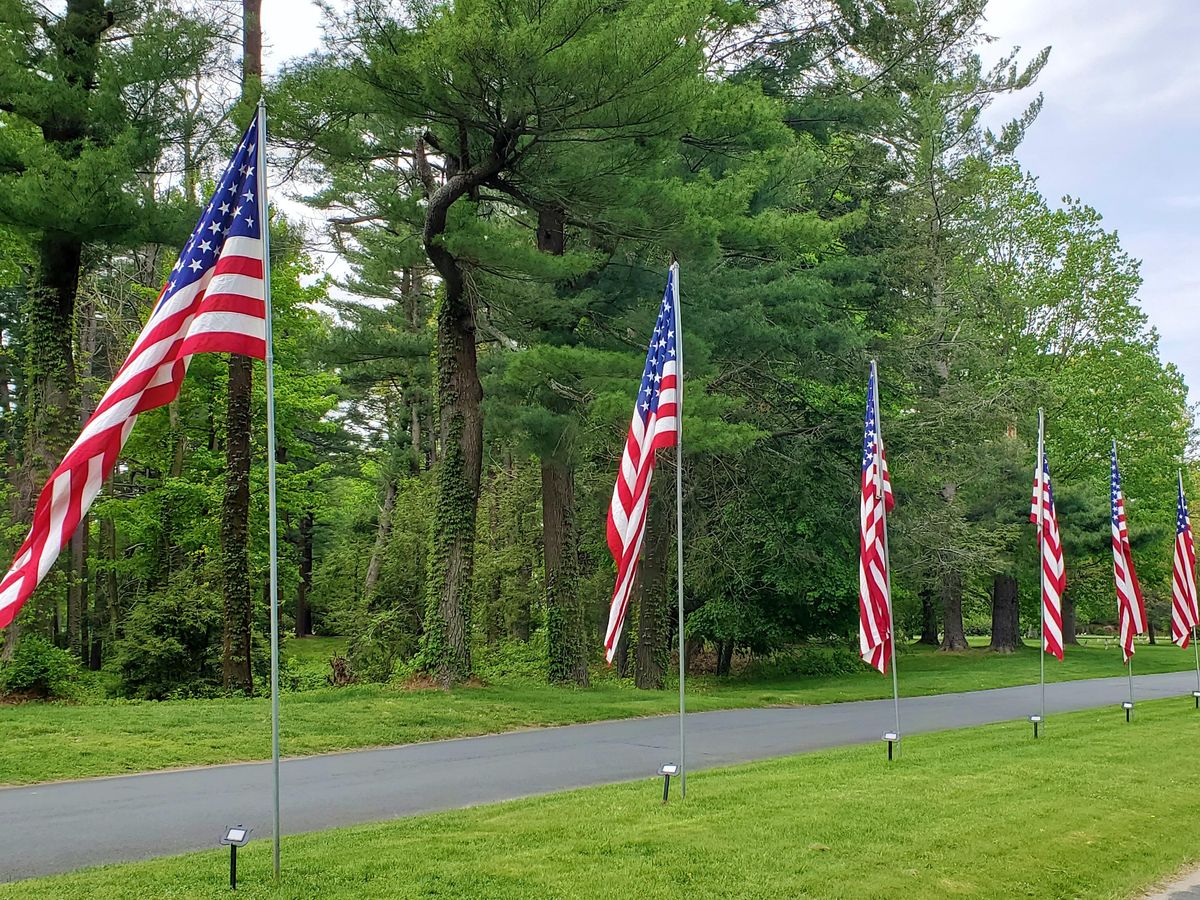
(565, 629)
(653, 635)
(235, 510)
(446, 648)
(564, 609)
(445, 645)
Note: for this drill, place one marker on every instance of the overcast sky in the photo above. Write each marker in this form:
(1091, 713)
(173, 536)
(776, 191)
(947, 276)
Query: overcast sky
(1119, 129)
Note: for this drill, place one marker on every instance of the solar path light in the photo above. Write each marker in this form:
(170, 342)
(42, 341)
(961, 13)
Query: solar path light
(235, 837)
(1035, 720)
(892, 737)
(1128, 707)
(1196, 695)
(666, 771)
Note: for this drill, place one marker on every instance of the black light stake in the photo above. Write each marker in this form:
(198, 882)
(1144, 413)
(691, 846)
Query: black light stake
(1128, 707)
(235, 837)
(1196, 695)
(892, 737)
(1035, 720)
(666, 772)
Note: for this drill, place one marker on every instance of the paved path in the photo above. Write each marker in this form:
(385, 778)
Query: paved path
(58, 827)
(1186, 888)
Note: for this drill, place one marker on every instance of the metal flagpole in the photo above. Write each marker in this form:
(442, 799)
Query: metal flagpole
(272, 518)
(679, 521)
(1041, 482)
(887, 553)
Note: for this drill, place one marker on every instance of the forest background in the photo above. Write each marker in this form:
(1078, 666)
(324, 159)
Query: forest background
(506, 183)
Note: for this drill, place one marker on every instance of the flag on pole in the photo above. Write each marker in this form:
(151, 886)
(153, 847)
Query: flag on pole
(1131, 608)
(655, 425)
(1054, 573)
(1184, 615)
(213, 301)
(874, 600)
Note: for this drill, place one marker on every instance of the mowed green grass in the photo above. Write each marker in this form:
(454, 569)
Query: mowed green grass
(1096, 809)
(45, 742)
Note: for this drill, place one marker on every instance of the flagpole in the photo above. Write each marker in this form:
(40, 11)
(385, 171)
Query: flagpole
(1041, 482)
(887, 553)
(272, 516)
(679, 522)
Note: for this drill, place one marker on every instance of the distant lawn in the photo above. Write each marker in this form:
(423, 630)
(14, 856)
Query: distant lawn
(54, 741)
(314, 651)
(1101, 809)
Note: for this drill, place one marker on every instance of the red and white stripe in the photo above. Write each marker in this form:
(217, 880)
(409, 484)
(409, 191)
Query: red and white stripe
(1131, 607)
(1054, 572)
(649, 432)
(1184, 614)
(876, 500)
(223, 310)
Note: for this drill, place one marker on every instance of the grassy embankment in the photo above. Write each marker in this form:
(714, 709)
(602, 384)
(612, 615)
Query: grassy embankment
(54, 741)
(1101, 809)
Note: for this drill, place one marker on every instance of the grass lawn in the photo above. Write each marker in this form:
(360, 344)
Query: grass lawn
(53, 741)
(1099, 809)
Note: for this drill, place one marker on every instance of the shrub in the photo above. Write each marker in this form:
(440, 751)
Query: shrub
(40, 669)
(172, 642)
(515, 660)
(807, 662)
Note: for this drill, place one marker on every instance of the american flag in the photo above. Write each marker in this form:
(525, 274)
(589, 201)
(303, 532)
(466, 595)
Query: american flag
(1183, 581)
(1131, 608)
(1054, 572)
(874, 591)
(214, 301)
(656, 423)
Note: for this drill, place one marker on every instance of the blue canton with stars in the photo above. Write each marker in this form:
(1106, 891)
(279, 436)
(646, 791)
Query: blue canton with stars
(869, 430)
(1046, 481)
(233, 211)
(662, 351)
(1182, 524)
(1116, 491)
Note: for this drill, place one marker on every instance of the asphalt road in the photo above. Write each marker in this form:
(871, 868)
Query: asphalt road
(58, 827)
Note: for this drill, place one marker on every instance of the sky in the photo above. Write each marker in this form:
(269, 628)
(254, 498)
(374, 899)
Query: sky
(1119, 129)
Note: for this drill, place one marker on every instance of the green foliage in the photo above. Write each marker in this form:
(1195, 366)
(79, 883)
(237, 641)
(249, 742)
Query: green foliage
(172, 642)
(39, 669)
(806, 662)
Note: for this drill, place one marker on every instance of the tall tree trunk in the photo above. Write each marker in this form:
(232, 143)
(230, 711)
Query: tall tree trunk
(564, 607)
(1151, 635)
(564, 603)
(621, 654)
(303, 611)
(445, 644)
(724, 657)
(382, 532)
(953, 637)
(235, 510)
(929, 618)
(1068, 611)
(1006, 615)
(77, 592)
(108, 550)
(446, 641)
(654, 627)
